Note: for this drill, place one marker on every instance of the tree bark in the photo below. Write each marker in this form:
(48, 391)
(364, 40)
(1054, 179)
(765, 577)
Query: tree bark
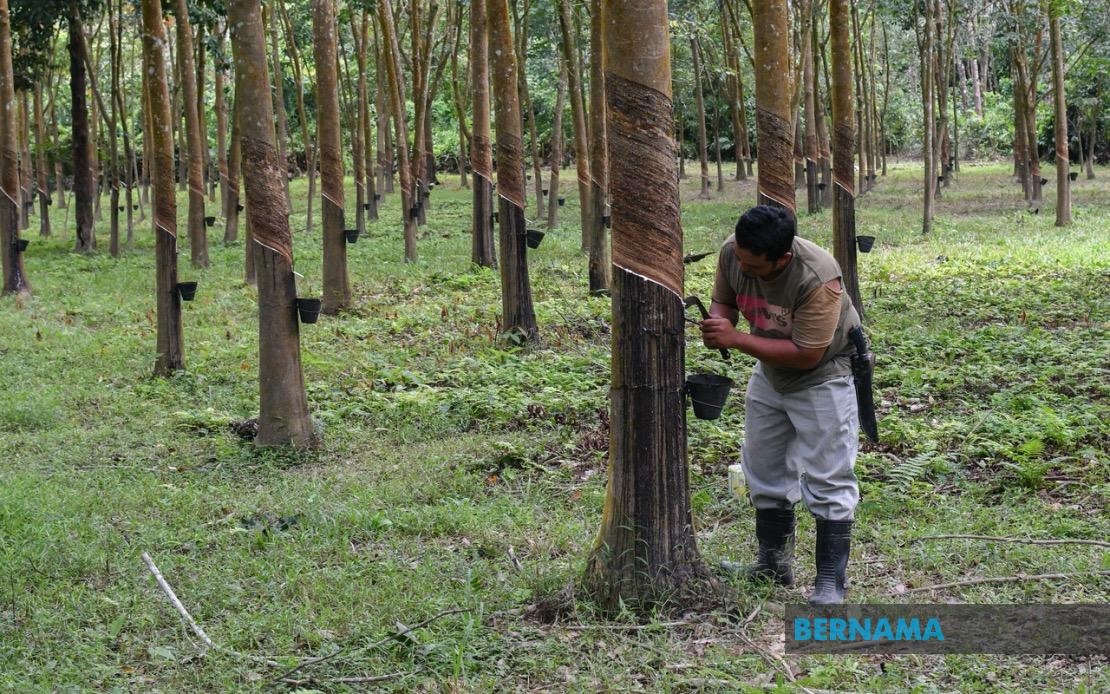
(578, 111)
(699, 102)
(481, 155)
(813, 200)
(518, 316)
(927, 52)
(15, 277)
(646, 549)
(170, 343)
(556, 147)
(337, 288)
(599, 269)
(234, 165)
(83, 190)
(1063, 160)
(392, 52)
(283, 407)
(198, 237)
(774, 118)
(40, 154)
(359, 29)
(843, 127)
(280, 120)
(309, 147)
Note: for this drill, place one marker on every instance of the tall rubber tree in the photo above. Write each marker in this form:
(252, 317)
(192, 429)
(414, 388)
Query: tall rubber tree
(169, 342)
(843, 148)
(578, 112)
(337, 288)
(15, 279)
(774, 118)
(646, 548)
(83, 183)
(599, 267)
(391, 51)
(1063, 160)
(198, 238)
(481, 155)
(699, 104)
(518, 315)
(283, 407)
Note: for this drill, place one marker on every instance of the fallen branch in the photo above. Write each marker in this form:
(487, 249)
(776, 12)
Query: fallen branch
(1019, 578)
(774, 660)
(1022, 540)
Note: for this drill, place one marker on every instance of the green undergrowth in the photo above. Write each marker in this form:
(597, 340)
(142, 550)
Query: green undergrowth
(460, 471)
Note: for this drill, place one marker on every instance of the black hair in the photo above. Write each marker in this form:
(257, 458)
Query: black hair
(766, 230)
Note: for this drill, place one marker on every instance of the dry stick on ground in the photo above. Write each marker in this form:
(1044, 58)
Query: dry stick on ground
(1022, 540)
(774, 660)
(1019, 578)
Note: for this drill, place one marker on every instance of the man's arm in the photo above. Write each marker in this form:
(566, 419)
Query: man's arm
(719, 331)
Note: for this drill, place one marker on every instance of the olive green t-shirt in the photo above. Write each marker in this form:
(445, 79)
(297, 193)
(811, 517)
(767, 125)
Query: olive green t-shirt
(796, 306)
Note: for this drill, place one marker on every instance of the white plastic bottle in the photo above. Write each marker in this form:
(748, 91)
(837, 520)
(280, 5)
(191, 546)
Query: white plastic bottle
(736, 483)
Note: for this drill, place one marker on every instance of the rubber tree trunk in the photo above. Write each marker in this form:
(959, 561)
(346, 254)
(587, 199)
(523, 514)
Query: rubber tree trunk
(518, 316)
(198, 238)
(391, 50)
(578, 111)
(170, 343)
(600, 274)
(234, 165)
(280, 120)
(556, 147)
(928, 149)
(283, 408)
(646, 549)
(370, 205)
(309, 147)
(40, 154)
(813, 199)
(481, 155)
(843, 126)
(774, 118)
(83, 184)
(736, 105)
(337, 288)
(699, 102)
(359, 27)
(219, 82)
(15, 278)
(1063, 161)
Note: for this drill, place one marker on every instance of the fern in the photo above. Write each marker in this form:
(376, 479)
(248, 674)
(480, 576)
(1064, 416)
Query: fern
(910, 470)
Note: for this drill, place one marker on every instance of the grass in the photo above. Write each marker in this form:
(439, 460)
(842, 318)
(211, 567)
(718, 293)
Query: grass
(448, 453)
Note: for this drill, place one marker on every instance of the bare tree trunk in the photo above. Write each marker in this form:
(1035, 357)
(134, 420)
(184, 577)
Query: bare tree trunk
(170, 343)
(578, 111)
(1092, 136)
(367, 131)
(774, 120)
(646, 550)
(392, 52)
(843, 124)
(283, 408)
(40, 154)
(359, 28)
(310, 149)
(735, 90)
(457, 89)
(221, 117)
(234, 163)
(26, 175)
(518, 316)
(202, 118)
(198, 237)
(813, 200)
(15, 277)
(557, 147)
(824, 154)
(325, 42)
(83, 190)
(1063, 160)
(925, 48)
(280, 120)
(481, 155)
(599, 268)
(699, 102)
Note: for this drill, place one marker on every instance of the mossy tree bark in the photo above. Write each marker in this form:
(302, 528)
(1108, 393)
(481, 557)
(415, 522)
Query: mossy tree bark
(481, 155)
(15, 278)
(646, 550)
(283, 407)
(170, 342)
(337, 288)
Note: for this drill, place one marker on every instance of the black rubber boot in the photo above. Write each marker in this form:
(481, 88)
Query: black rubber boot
(834, 542)
(774, 529)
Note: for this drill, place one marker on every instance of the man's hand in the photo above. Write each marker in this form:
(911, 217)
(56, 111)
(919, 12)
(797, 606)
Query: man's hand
(719, 333)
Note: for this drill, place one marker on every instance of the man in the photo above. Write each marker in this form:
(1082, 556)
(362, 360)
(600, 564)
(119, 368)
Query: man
(801, 428)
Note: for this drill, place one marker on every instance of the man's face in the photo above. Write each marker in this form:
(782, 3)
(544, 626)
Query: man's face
(758, 266)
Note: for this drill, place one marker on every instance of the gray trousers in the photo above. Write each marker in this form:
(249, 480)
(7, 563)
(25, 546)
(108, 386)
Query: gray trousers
(802, 446)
